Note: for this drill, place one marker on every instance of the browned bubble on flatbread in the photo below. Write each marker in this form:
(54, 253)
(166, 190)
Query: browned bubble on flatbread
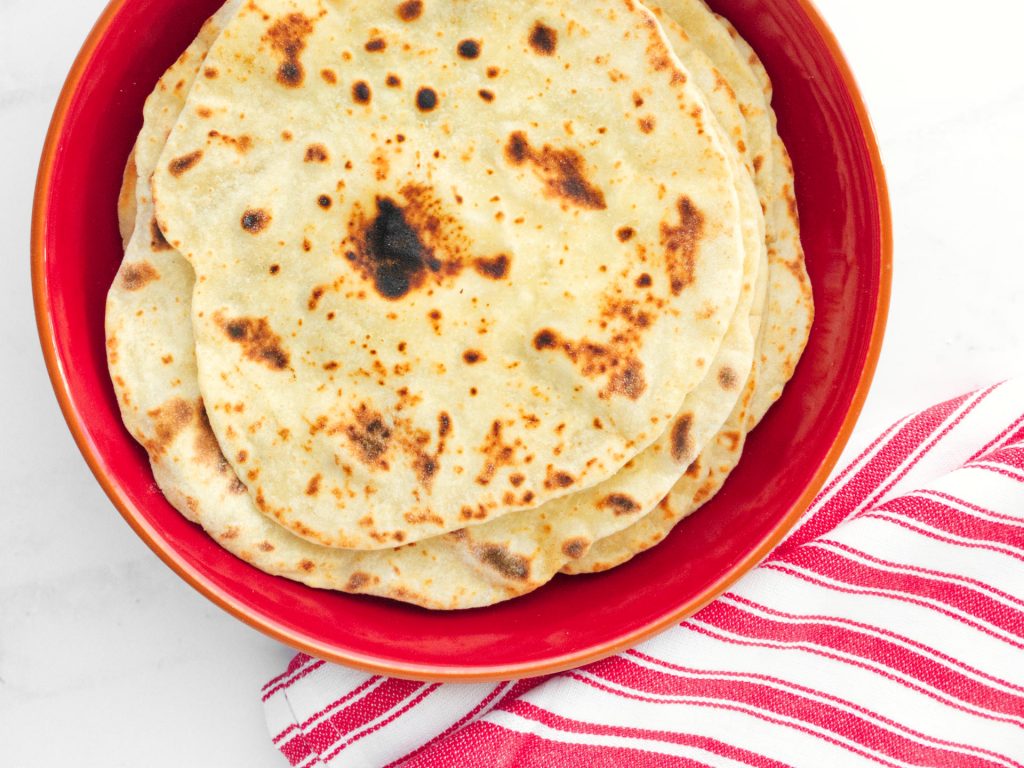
(182, 163)
(563, 171)
(619, 504)
(370, 435)
(505, 563)
(287, 38)
(138, 275)
(543, 39)
(681, 242)
(317, 153)
(575, 548)
(727, 378)
(258, 341)
(682, 442)
(255, 220)
(410, 10)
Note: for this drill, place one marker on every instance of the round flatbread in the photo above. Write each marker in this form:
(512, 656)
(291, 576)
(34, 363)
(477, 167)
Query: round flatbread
(427, 295)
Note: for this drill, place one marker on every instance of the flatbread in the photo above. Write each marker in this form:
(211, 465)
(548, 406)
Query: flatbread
(337, 408)
(541, 542)
(151, 356)
(788, 315)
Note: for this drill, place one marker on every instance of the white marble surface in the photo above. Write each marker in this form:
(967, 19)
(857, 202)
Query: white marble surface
(108, 659)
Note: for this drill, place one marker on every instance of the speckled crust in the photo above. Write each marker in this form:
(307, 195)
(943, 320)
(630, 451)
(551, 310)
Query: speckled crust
(788, 308)
(325, 182)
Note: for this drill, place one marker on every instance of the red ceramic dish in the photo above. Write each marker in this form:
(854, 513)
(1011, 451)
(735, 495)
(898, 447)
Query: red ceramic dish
(846, 232)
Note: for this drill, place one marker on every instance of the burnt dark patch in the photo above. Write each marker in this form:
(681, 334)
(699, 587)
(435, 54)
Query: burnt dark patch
(395, 252)
(316, 153)
(255, 220)
(496, 267)
(324, 201)
(563, 171)
(275, 268)
(157, 241)
(625, 234)
(426, 99)
(473, 356)
(681, 439)
(403, 246)
(258, 341)
(681, 242)
(375, 45)
(361, 92)
(545, 339)
(507, 564)
(619, 504)
(136, 276)
(694, 469)
(393, 81)
(485, 94)
(644, 281)
(543, 39)
(410, 10)
(468, 49)
(179, 165)
(444, 424)
(287, 38)
(493, 72)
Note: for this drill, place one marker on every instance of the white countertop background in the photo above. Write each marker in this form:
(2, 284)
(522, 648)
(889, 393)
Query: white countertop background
(108, 659)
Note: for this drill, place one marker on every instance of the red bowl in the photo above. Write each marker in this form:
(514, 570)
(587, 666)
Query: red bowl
(847, 235)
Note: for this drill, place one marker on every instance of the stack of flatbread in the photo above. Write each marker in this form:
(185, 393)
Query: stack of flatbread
(434, 300)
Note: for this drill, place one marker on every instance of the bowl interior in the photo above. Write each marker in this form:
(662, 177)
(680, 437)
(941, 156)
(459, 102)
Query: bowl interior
(77, 251)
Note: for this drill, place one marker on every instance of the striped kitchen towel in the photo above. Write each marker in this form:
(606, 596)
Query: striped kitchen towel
(887, 629)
